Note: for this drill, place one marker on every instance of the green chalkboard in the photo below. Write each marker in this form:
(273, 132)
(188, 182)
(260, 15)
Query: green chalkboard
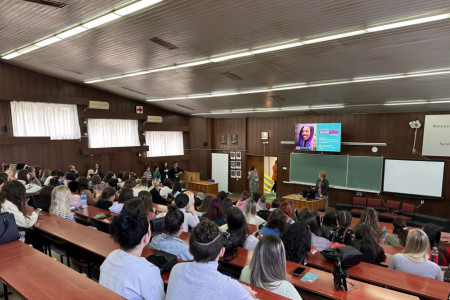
(365, 173)
(361, 173)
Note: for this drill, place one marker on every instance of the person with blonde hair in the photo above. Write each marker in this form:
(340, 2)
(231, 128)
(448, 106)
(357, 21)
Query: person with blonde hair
(369, 217)
(142, 186)
(250, 213)
(415, 259)
(60, 203)
(267, 268)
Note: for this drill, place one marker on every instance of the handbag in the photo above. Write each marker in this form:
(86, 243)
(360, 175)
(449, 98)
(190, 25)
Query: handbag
(231, 244)
(339, 276)
(8, 228)
(163, 260)
(349, 256)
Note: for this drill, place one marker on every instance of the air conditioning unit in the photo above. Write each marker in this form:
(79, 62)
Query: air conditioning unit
(154, 119)
(98, 105)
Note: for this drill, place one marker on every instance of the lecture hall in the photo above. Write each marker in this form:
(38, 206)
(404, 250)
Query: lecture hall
(222, 149)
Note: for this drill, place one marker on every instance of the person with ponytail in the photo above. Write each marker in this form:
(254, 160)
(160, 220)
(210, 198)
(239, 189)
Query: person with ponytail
(398, 236)
(342, 234)
(415, 259)
(440, 251)
(124, 271)
(169, 240)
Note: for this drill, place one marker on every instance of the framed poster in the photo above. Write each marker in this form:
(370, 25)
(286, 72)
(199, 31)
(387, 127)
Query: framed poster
(238, 173)
(233, 164)
(232, 155)
(234, 139)
(223, 139)
(264, 135)
(238, 164)
(238, 155)
(233, 174)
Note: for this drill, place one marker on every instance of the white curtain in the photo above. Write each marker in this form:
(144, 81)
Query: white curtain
(58, 121)
(164, 143)
(105, 133)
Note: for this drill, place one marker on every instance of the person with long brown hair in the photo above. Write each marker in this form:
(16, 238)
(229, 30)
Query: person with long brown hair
(369, 217)
(215, 212)
(342, 233)
(398, 236)
(366, 243)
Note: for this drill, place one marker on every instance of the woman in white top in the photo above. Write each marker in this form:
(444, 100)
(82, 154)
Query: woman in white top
(190, 215)
(12, 200)
(166, 189)
(142, 186)
(250, 213)
(24, 177)
(317, 241)
(267, 268)
(415, 259)
(60, 205)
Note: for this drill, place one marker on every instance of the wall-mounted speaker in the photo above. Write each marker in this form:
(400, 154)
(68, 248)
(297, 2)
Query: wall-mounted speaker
(205, 144)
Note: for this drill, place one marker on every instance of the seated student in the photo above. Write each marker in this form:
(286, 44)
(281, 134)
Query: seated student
(61, 198)
(177, 189)
(297, 242)
(76, 198)
(318, 220)
(215, 212)
(200, 279)
(167, 188)
(257, 197)
(124, 271)
(415, 259)
(43, 200)
(13, 200)
(125, 195)
(205, 204)
(303, 211)
(148, 204)
(190, 215)
(156, 196)
(398, 236)
(236, 225)
(276, 223)
(440, 251)
(33, 176)
(369, 217)
(169, 240)
(142, 186)
(275, 204)
(250, 213)
(49, 177)
(23, 176)
(366, 243)
(286, 207)
(294, 211)
(61, 178)
(329, 223)
(130, 183)
(317, 242)
(106, 198)
(2, 183)
(264, 205)
(83, 187)
(199, 198)
(244, 197)
(222, 195)
(267, 268)
(226, 204)
(342, 234)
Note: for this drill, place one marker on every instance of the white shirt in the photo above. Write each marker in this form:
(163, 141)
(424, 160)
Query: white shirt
(189, 220)
(164, 191)
(116, 207)
(21, 220)
(131, 277)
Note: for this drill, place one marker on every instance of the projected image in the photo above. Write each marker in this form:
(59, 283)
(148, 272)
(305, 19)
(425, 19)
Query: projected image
(318, 137)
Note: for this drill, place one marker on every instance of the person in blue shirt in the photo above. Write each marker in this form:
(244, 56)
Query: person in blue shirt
(200, 279)
(124, 271)
(156, 173)
(169, 240)
(276, 223)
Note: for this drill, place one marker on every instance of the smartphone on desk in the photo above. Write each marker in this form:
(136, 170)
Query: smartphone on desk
(299, 271)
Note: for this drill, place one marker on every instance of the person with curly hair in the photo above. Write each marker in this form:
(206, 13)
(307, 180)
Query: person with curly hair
(297, 242)
(124, 271)
(369, 217)
(200, 279)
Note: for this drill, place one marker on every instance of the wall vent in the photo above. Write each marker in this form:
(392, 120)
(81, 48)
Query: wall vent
(232, 76)
(48, 3)
(163, 43)
(137, 92)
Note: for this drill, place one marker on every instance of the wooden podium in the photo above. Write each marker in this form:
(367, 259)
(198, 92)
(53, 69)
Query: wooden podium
(190, 176)
(301, 202)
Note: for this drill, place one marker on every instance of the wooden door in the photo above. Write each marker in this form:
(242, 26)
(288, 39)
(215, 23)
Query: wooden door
(257, 161)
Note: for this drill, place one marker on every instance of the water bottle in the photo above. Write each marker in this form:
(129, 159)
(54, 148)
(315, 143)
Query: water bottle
(83, 200)
(384, 232)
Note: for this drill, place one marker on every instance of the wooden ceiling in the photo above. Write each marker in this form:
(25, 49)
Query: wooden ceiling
(201, 29)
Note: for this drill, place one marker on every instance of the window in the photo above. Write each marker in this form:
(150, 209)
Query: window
(105, 133)
(164, 143)
(57, 121)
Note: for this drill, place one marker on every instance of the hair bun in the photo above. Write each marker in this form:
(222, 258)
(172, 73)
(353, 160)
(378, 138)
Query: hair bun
(172, 207)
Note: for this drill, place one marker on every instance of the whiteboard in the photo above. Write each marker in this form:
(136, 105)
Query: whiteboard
(219, 170)
(413, 177)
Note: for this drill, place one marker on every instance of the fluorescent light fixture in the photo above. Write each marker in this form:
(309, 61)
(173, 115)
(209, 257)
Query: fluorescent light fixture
(28, 49)
(198, 96)
(428, 73)
(100, 21)
(328, 83)
(11, 55)
(409, 102)
(135, 7)
(333, 106)
(137, 73)
(408, 23)
(222, 94)
(156, 99)
(255, 91)
(276, 48)
(439, 101)
(377, 78)
(227, 57)
(290, 87)
(334, 37)
(266, 109)
(163, 69)
(194, 63)
(71, 32)
(295, 108)
(94, 80)
(176, 98)
(48, 41)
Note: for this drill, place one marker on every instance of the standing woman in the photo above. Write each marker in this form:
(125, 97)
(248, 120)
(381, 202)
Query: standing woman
(274, 177)
(253, 178)
(156, 174)
(164, 171)
(322, 185)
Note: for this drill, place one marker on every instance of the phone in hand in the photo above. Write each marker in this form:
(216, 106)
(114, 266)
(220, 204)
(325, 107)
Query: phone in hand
(299, 271)
(38, 210)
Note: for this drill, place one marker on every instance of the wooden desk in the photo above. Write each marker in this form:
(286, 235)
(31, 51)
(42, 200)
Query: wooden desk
(422, 287)
(34, 275)
(205, 186)
(190, 176)
(301, 202)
